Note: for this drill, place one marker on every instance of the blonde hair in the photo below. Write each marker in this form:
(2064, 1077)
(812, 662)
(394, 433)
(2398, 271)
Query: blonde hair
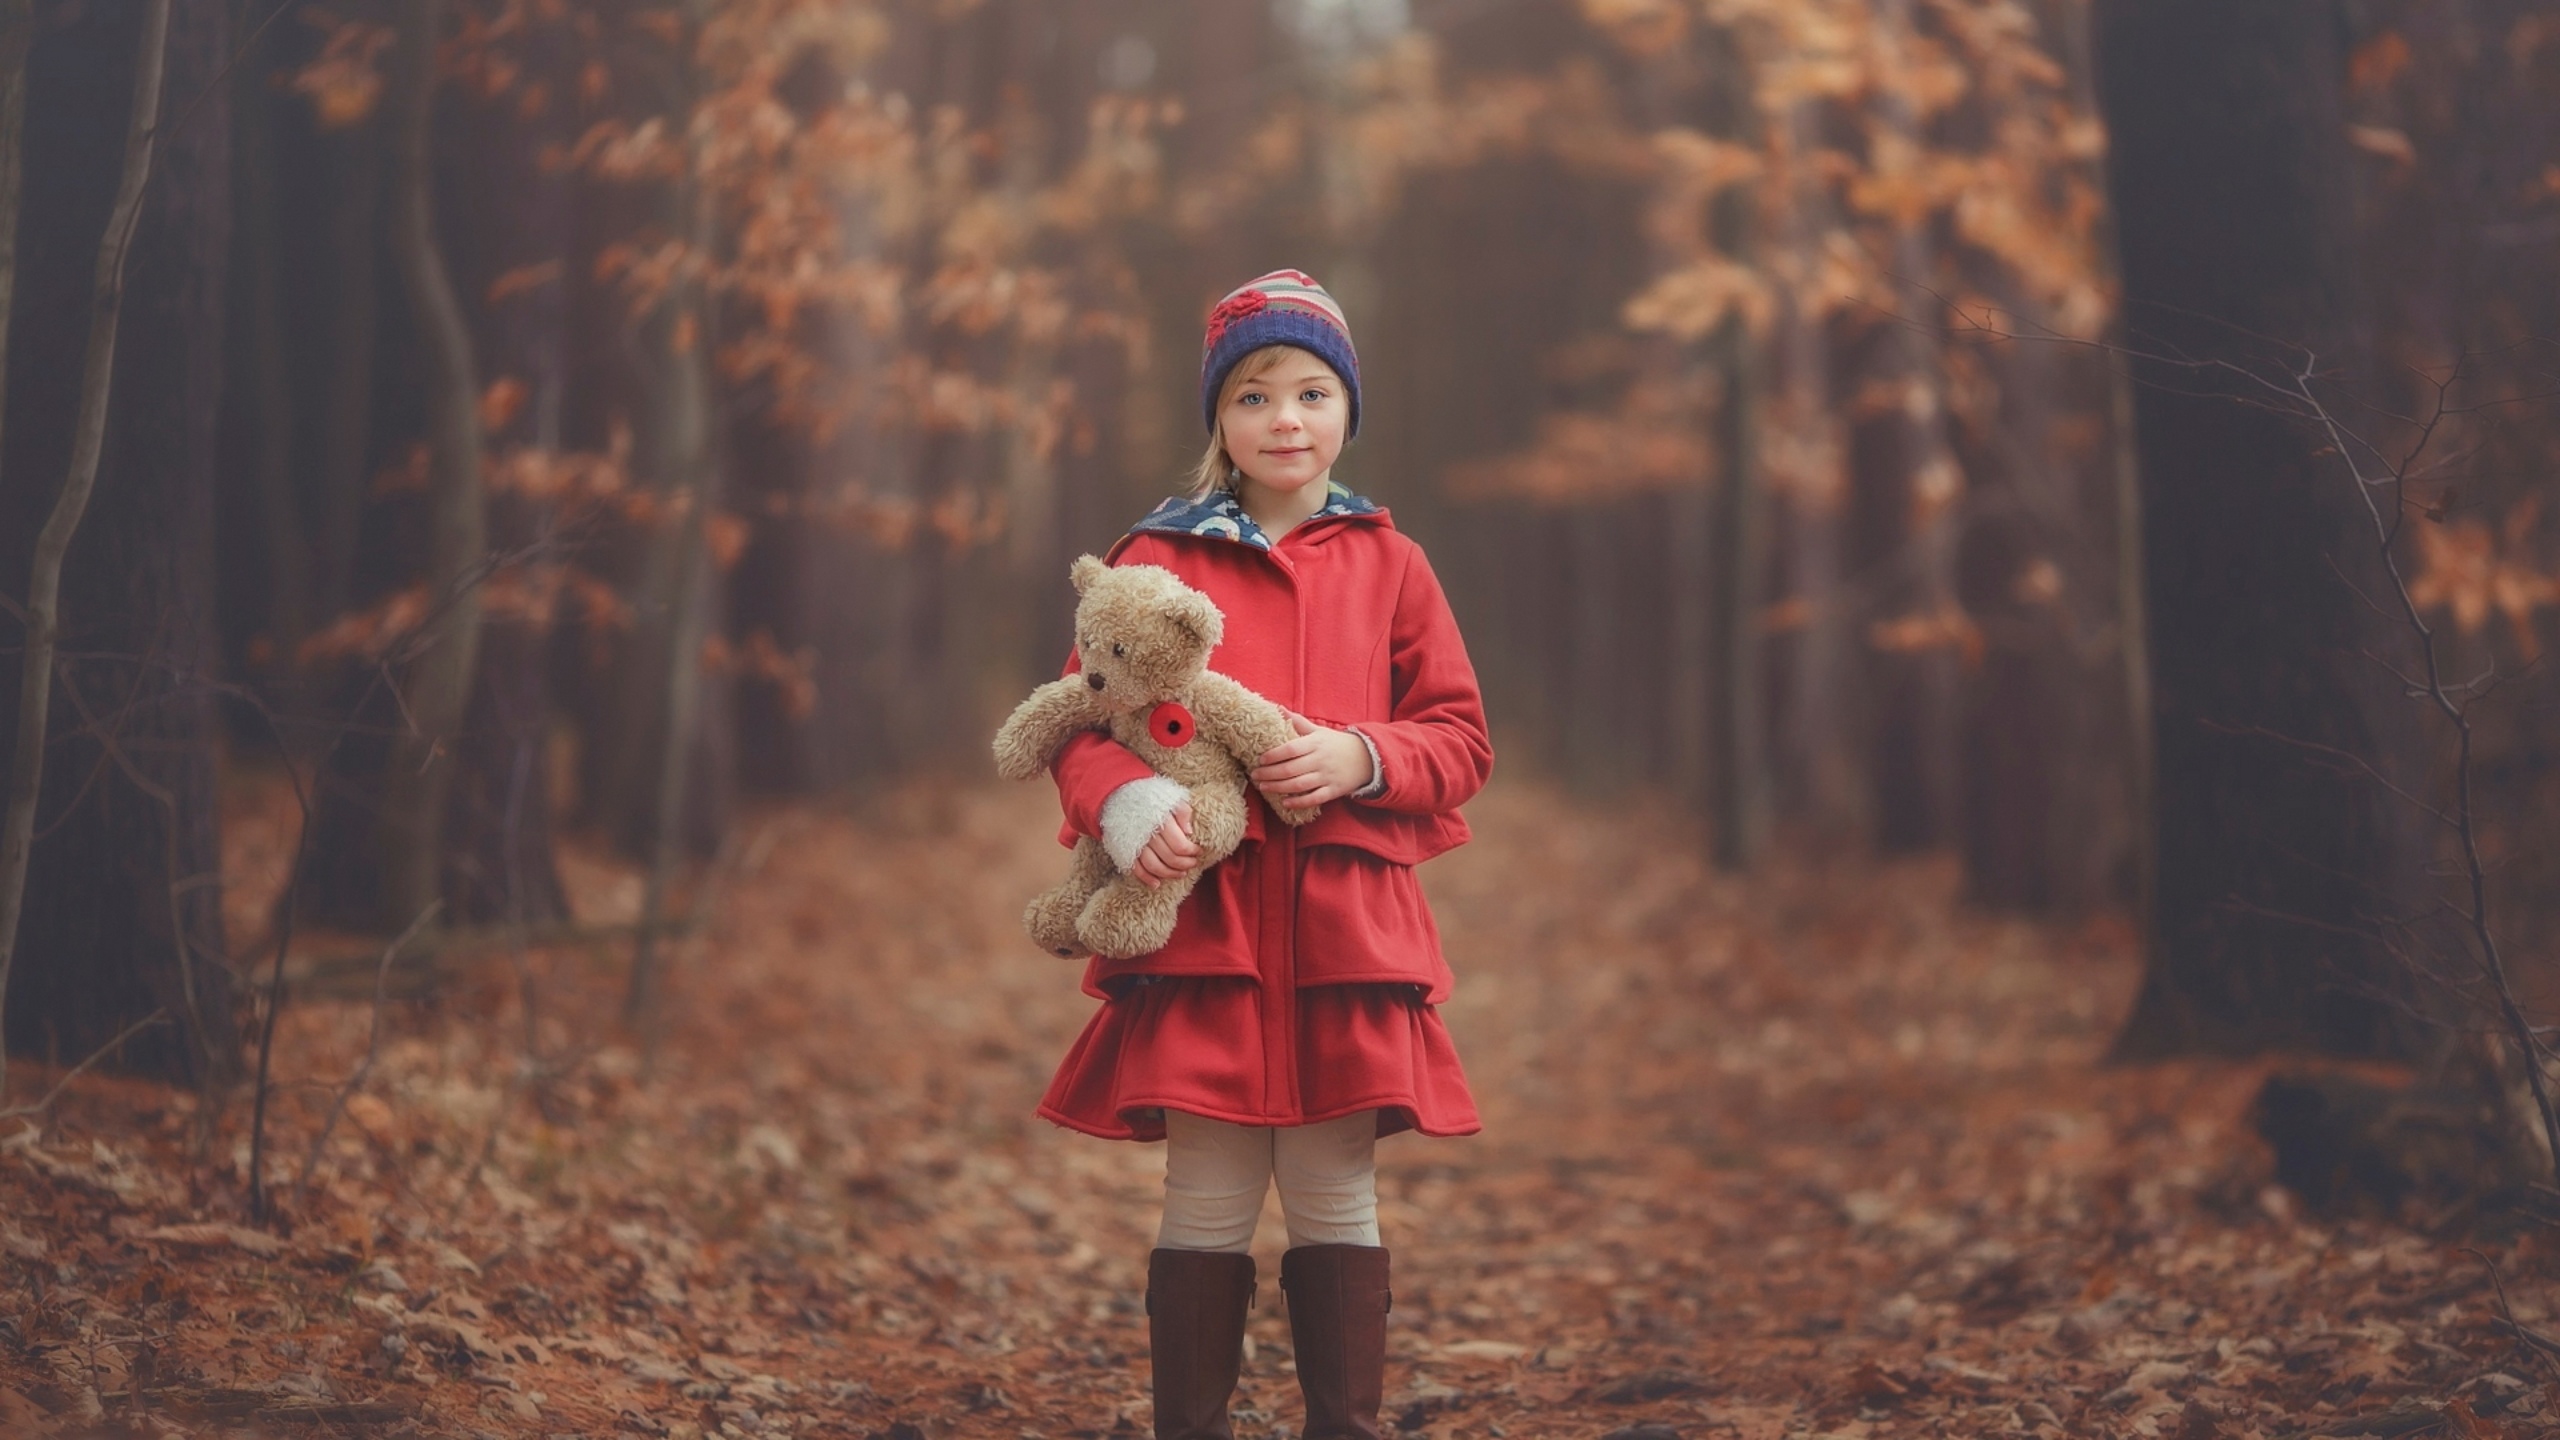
(1216, 471)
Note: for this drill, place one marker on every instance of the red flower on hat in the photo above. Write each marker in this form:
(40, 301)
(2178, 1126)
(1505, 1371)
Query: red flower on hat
(1235, 307)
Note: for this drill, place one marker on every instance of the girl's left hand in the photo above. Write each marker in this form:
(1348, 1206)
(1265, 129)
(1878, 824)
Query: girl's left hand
(1318, 768)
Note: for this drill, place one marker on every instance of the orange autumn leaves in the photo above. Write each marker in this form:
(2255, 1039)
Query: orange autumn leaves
(1857, 126)
(344, 82)
(852, 224)
(865, 237)
(2020, 187)
(2471, 572)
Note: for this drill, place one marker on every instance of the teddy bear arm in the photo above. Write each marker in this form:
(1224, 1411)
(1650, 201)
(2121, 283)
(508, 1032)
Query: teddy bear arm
(1237, 720)
(1031, 736)
(1244, 725)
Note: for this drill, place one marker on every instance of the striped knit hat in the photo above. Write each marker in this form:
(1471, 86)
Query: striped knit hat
(1285, 307)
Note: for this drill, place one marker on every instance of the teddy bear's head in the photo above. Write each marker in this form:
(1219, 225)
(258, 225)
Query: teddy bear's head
(1141, 634)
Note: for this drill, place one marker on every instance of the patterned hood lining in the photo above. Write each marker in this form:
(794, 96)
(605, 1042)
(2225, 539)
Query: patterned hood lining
(1221, 517)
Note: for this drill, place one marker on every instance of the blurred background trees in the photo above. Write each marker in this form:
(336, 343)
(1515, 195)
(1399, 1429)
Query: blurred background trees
(648, 407)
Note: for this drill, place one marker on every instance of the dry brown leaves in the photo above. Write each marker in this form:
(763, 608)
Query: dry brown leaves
(1817, 1155)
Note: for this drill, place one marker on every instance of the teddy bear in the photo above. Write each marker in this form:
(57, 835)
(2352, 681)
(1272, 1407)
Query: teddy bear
(1143, 639)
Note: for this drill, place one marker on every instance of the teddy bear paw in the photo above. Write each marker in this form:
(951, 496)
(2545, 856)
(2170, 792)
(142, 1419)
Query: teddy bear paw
(1121, 925)
(1050, 920)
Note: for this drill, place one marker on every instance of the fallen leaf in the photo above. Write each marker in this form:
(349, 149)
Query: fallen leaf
(238, 1237)
(1650, 1385)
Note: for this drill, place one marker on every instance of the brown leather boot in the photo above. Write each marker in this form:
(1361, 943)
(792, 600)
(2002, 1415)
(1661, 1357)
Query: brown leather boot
(1338, 1303)
(1196, 1303)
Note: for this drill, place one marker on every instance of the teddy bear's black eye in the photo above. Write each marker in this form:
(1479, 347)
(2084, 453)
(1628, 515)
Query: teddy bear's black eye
(1119, 649)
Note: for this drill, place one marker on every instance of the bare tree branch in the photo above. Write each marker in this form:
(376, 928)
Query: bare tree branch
(2295, 393)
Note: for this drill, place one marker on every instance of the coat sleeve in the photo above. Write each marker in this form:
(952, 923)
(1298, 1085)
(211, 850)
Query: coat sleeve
(1089, 768)
(1435, 753)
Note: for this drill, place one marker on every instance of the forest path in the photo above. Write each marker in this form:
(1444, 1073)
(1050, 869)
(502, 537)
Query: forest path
(1820, 1153)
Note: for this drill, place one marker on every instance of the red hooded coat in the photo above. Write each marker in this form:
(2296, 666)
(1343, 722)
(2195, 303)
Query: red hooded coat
(1303, 972)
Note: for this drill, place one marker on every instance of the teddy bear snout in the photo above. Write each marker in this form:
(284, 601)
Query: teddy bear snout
(1096, 680)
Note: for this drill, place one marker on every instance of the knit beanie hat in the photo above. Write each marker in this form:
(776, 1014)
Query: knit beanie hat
(1285, 307)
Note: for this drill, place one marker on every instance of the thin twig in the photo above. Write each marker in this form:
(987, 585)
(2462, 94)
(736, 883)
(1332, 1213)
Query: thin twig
(172, 817)
(75, 1072)
(286, 908)
(2293, 392)
(289, 904)
(215, 84)
(2346, 759)
(2544, 1348)
(372, 1048)
(2387, 531)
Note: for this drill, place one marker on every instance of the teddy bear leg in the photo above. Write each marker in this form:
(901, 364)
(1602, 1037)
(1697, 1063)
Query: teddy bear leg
(1051, 915)
(1126, 919)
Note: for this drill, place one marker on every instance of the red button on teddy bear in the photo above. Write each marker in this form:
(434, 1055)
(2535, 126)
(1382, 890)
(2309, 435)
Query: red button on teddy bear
(1171, 725)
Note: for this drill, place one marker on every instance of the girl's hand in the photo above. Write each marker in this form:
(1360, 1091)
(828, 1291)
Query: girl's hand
(1318, 768)
(1170, 851)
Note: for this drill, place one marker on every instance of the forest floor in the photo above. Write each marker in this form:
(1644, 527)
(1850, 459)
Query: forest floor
(1819, 1154)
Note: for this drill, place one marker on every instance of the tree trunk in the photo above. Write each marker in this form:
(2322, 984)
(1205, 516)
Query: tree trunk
(1905, 487)
(2124, 706)
(2021, 728)
(264, 393)
(343, 449)
(1595, 730)
(518, 214)
(685, 427)
(1737, 695)
(17, 38)
(2045, 779)
(418, 784)
(1819, 773)
(335, 362)
(2230, 175)
(664, 764)
(1901, 491)
(1690, 701)
(123, 912)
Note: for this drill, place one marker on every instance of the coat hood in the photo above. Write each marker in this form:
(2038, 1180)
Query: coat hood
(1221, 516)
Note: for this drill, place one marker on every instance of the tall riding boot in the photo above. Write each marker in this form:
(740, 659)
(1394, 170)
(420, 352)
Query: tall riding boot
(1196, 1303)
(1338, 1302)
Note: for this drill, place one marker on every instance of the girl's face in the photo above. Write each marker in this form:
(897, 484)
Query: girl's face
(1283, 428)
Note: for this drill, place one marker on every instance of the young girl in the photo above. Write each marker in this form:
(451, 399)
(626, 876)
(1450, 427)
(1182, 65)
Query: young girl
(1292, 1018)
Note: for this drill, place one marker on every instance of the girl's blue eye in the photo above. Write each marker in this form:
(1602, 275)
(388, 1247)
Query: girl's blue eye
(1313, 397)
(1248, 399)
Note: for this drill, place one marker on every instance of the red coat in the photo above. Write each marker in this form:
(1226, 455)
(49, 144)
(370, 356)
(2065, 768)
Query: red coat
(1316, 959)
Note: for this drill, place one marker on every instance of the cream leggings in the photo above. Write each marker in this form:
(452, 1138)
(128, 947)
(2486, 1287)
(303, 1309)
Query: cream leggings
(1215, 1175)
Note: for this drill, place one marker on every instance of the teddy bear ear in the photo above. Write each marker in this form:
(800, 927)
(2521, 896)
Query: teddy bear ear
(1196, 613)
(1086, 571)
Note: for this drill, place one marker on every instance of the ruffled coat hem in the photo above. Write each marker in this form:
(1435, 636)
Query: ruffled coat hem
(1173, 1045)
